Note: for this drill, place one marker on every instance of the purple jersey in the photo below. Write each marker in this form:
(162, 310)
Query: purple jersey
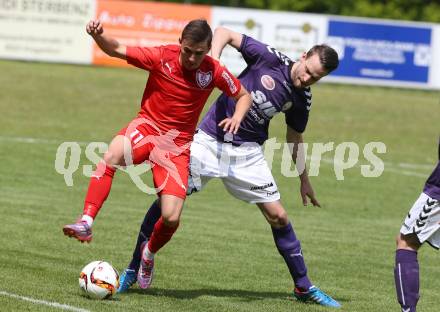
(267, 78)
(432, 185)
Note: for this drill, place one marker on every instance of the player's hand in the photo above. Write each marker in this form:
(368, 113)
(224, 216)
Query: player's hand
(308, 193)
(230, 125)
(94, 28)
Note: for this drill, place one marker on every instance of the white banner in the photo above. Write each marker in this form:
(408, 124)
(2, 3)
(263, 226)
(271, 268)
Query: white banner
(289, 33)
(46, 30)
(434, 73)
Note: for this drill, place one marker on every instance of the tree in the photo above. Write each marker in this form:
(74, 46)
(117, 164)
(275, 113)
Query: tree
(412, 10)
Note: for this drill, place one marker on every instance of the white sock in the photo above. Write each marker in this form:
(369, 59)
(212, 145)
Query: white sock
(148, 254)
(88, 219)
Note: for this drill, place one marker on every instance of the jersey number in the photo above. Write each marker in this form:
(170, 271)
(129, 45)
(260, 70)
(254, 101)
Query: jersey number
(136, 136)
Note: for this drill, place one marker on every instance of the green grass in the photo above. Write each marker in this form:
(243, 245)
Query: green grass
(222, 258)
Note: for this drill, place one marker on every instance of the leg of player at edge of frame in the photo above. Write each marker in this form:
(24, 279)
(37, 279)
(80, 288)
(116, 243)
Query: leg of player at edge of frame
(406, 272)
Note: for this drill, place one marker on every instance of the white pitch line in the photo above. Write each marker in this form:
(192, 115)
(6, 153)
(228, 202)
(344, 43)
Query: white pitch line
(34, 140)
(390, 167)
(415, 166)
(48, 303)
(407, 173)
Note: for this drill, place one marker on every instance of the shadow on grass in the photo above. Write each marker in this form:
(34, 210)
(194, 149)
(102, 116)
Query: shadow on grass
(188, 294)
(85, 296)
(195, 293)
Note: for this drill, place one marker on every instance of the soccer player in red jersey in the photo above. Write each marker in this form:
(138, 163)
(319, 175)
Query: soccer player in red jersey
(180, 81)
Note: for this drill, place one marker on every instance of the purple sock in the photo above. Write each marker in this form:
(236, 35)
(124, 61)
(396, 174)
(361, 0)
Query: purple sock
(406, 277)
(290, 249)
(153, 214)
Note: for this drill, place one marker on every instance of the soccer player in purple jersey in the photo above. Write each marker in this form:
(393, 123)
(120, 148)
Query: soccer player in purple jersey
(276, 84)
(422, 224)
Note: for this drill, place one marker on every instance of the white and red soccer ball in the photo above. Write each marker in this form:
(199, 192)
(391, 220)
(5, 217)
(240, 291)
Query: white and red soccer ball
(99, 280)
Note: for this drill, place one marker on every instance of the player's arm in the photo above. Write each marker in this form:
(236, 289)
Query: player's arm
(222, 37)
(296, 139)
(243, 104)
(107, 44)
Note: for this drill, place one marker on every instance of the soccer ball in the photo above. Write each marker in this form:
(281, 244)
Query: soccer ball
(99, 280)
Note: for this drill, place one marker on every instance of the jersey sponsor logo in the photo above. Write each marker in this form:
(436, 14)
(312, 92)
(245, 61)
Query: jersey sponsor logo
(268, 82)
(203, 79)
(261, 187)
(255, 116)
(262, 105)
(230, 82)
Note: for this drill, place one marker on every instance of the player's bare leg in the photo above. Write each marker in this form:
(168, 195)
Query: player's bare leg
(164, 229)
(406, 271)
(290, 249)
(99, 188)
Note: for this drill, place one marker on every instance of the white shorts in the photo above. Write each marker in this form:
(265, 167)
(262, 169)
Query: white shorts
(243, 169)
(424, 220)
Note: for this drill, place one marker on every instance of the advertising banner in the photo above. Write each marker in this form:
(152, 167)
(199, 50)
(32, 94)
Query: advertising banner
(144, 23)
(434, 75)
(383, 53)
(46, 30)
(289, 33)
(372, 51)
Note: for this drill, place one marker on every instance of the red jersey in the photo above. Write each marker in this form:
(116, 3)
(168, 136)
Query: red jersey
(174, 97)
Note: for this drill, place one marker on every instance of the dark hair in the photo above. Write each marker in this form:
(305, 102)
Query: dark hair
(328, 57)
(197, 31)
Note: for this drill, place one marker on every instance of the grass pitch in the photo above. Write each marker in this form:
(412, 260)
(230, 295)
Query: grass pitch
(222, 258)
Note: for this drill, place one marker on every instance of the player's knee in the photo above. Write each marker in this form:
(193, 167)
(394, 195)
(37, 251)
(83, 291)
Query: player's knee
(112, 158)
(283, 219)
(399, 240)
(278, 220)
(171, 220)
(410, 242)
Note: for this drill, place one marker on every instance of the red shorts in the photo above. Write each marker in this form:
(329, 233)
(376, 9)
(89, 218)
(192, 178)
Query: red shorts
(169, 162)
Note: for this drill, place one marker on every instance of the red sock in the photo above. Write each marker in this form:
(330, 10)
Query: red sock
(99, 188)
(162, 233)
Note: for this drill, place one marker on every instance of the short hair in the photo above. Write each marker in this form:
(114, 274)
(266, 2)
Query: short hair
(328, 57)
(197, 31)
